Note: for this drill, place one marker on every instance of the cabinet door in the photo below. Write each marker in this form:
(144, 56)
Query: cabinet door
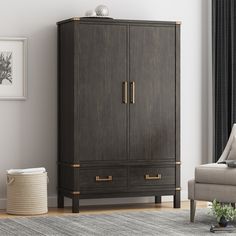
(152, 116)
(101, 119)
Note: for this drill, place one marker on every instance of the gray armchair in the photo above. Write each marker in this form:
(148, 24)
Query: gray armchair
(214, 181)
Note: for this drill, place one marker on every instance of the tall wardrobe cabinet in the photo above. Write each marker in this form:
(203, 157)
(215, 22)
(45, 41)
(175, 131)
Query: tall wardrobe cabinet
(119, 109)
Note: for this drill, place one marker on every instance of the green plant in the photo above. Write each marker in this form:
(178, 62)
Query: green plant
(220, 210)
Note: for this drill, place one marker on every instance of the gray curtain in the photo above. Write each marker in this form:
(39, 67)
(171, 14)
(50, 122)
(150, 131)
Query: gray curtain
(224, 70)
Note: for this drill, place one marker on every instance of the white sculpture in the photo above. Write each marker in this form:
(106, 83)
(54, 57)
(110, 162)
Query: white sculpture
(90, 13)
(102, 10)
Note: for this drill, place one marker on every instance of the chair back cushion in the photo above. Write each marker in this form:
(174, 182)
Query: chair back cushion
(226, 151)
(232, 153)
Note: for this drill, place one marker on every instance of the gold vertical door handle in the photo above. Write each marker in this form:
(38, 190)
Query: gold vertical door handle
(125, 92)
(132, 92)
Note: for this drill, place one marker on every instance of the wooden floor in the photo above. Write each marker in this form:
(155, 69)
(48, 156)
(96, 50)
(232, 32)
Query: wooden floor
(106, 209)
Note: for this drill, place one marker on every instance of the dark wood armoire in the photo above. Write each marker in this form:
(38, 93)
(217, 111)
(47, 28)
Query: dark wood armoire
(119, 109)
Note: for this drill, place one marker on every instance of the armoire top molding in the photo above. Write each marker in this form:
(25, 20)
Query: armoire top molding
(111, 20)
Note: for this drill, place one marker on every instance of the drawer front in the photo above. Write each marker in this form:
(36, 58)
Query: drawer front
(147, 176)
(95, 178)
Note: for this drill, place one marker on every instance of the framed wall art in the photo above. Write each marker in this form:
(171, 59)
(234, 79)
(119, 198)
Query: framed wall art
(13, 68)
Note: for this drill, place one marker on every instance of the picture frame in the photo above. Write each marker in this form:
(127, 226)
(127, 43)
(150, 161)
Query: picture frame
(13, 68)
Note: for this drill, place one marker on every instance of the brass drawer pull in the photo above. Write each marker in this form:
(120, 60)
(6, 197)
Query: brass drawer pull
(125, 92)
(99, 179)
(148, 177)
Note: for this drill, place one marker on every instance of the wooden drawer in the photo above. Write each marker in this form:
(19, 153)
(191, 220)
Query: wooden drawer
(146, 176)
(99, 177)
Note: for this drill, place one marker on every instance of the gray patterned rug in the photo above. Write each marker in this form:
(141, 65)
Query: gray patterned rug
(115, 224)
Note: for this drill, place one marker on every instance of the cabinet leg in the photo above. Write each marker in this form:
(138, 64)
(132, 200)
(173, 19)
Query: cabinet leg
(75, 204)
(177, 199)
(60, 201)
(157, 199)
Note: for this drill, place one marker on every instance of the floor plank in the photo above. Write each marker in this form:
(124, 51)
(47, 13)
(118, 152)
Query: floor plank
(106, 209)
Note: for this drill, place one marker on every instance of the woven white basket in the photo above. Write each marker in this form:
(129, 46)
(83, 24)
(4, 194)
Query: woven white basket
(27, 194)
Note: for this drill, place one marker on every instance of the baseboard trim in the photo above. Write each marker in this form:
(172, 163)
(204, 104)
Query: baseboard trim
(52, 200)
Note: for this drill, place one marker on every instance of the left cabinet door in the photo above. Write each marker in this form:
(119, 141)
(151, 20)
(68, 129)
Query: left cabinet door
(101, 116)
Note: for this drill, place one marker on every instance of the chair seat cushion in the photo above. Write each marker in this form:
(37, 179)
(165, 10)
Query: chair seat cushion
(215, 174)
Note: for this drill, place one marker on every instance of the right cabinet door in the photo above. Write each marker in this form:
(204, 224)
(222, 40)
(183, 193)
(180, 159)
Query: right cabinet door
(152, 93)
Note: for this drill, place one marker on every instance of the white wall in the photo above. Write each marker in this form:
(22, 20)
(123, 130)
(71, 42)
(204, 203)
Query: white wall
(28, 129)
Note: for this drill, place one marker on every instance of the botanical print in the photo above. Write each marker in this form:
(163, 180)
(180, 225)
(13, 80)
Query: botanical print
(5, 68)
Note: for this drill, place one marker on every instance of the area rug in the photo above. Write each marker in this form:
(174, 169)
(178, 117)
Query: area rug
(136, 223)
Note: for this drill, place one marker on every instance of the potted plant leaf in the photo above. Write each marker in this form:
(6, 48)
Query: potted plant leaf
(224, 213)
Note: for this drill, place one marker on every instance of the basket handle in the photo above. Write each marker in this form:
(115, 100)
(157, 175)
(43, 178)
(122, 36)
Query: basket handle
(10, 180)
